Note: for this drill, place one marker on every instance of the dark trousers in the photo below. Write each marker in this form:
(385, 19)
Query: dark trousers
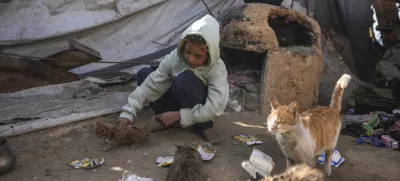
(186, 92)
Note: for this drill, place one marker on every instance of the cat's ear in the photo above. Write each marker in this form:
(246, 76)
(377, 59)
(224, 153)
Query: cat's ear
(292, 108)
(274, 103)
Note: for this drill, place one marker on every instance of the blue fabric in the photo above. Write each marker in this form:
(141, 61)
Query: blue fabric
(186, 92)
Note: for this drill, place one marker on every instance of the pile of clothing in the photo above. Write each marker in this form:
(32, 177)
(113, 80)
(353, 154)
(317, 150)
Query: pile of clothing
(380, 129)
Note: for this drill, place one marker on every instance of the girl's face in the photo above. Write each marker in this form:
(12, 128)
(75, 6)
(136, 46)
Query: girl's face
(195, 55)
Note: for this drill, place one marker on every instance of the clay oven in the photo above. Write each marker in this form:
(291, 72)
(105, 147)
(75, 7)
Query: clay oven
(268, 52)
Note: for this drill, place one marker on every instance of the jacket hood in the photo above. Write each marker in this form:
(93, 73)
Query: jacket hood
(208, 28)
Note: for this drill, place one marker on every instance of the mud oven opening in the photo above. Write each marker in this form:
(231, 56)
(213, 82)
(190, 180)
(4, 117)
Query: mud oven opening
(274, 60)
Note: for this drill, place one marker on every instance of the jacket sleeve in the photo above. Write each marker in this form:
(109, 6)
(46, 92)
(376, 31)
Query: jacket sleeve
(154, 86)
(217, 98)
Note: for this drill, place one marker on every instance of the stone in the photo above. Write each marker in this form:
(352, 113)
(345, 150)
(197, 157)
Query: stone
(290, 73)
(251, 101)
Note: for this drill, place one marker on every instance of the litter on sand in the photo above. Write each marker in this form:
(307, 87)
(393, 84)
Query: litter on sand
(129, 176)
(260, 163)
(247, 139)
(380, 129)
(371, 140)
(165, 161)
(337, 159)
(205, 153)
(390, 142)
(86, 163)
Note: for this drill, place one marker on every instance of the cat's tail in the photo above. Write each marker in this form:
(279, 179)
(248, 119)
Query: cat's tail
(337, 94)
(302, 172)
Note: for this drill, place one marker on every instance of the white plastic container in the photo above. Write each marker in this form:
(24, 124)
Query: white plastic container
(259, 162)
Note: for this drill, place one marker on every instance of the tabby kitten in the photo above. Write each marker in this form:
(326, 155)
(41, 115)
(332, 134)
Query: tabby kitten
(302, 137)
(186, 166)
(301, 172)
(133, 136)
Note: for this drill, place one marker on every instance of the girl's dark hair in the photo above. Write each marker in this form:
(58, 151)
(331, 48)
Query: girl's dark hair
(198, 40)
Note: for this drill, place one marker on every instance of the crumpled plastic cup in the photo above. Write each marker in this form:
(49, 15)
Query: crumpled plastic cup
(130, 176)
(260, 163)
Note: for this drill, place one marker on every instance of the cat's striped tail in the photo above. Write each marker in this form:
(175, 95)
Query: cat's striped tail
(337, 94)
(302, 172)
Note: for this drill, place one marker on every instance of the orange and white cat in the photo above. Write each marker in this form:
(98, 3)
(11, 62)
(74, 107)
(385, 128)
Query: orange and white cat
(300, 172)
(302, 137)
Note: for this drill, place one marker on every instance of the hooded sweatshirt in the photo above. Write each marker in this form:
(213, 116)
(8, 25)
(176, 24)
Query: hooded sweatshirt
(213, 75)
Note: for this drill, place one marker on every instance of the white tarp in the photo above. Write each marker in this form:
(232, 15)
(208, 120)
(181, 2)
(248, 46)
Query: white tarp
(23, 21)
(99, 25)
(53, 105)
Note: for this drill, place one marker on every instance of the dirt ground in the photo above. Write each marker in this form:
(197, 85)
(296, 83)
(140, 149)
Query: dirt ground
(44, 155)
(12, 80)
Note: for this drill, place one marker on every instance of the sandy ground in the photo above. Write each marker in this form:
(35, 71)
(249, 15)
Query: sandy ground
(43, 155)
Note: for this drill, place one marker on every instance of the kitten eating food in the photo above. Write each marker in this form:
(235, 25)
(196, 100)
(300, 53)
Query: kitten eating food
(186, 166)
(133, 136)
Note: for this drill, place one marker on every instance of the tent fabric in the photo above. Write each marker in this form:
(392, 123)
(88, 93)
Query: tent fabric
(351, 18)
(53, 105)
(134, 28)
(24, 21)
(132, 34)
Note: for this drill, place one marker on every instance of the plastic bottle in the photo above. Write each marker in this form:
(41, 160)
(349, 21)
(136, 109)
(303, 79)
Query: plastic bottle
(390, 142)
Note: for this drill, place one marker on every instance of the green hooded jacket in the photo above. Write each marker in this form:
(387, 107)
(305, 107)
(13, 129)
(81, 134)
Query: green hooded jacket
(213, 75)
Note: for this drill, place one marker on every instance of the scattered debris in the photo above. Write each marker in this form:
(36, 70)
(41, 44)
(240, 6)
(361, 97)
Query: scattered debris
(110, 78)
(205, 153)
(337, 159)
(371, 140)
(86, 163)
(259, 163)
(129, 176)
(373, 122)
(165, 161)
(380, 129)
(390, 142)
(247, 139)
